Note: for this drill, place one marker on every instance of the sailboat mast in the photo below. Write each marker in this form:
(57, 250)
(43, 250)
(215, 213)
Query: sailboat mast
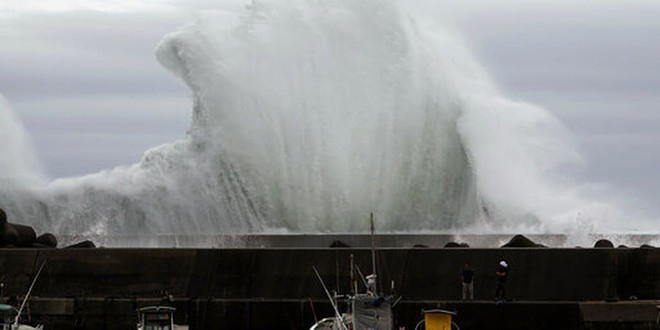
(373, 251)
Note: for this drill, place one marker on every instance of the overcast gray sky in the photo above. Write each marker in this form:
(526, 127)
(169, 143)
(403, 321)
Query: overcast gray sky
(83, 78)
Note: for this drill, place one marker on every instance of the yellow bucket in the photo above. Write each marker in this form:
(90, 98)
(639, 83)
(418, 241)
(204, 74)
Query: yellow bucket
(437, 319)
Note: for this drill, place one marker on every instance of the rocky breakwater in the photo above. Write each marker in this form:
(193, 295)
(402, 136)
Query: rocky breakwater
(14, 235)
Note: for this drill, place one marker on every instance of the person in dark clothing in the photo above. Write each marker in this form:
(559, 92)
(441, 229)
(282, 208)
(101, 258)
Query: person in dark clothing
(467, 280)
(502, 272)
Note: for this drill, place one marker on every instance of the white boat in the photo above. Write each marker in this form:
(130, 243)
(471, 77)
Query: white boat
(366, 311)
(158, 318)
(9, 319)
(327, 323)
(10, 316)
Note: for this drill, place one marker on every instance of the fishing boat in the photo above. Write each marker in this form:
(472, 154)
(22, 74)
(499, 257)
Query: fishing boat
(158, 318)
(365, 312)
(10, 316)
(368, 310)
(9, 319)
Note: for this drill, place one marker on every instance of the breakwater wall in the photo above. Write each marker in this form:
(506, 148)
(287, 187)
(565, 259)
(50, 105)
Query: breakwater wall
(259, 285)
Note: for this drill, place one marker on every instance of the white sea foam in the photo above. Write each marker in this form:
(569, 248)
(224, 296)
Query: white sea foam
(309, 115)
(18, 162)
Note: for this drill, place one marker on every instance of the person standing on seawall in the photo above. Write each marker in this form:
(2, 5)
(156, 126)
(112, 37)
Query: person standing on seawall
(501, 272)
(467, 280)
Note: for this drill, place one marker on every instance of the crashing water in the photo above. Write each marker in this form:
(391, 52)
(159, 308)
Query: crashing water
(309, 115)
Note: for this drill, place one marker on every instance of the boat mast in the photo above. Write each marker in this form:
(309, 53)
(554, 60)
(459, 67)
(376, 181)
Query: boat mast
(27, 296)
(353, 281)
(373, 252)
(338, 316)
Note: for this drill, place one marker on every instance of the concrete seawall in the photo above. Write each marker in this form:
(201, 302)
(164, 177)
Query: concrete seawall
(242, 288)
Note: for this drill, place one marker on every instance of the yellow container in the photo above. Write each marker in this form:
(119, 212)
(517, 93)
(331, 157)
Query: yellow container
(437, 319)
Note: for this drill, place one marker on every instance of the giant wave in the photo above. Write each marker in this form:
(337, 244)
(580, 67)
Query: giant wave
(309, 115)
